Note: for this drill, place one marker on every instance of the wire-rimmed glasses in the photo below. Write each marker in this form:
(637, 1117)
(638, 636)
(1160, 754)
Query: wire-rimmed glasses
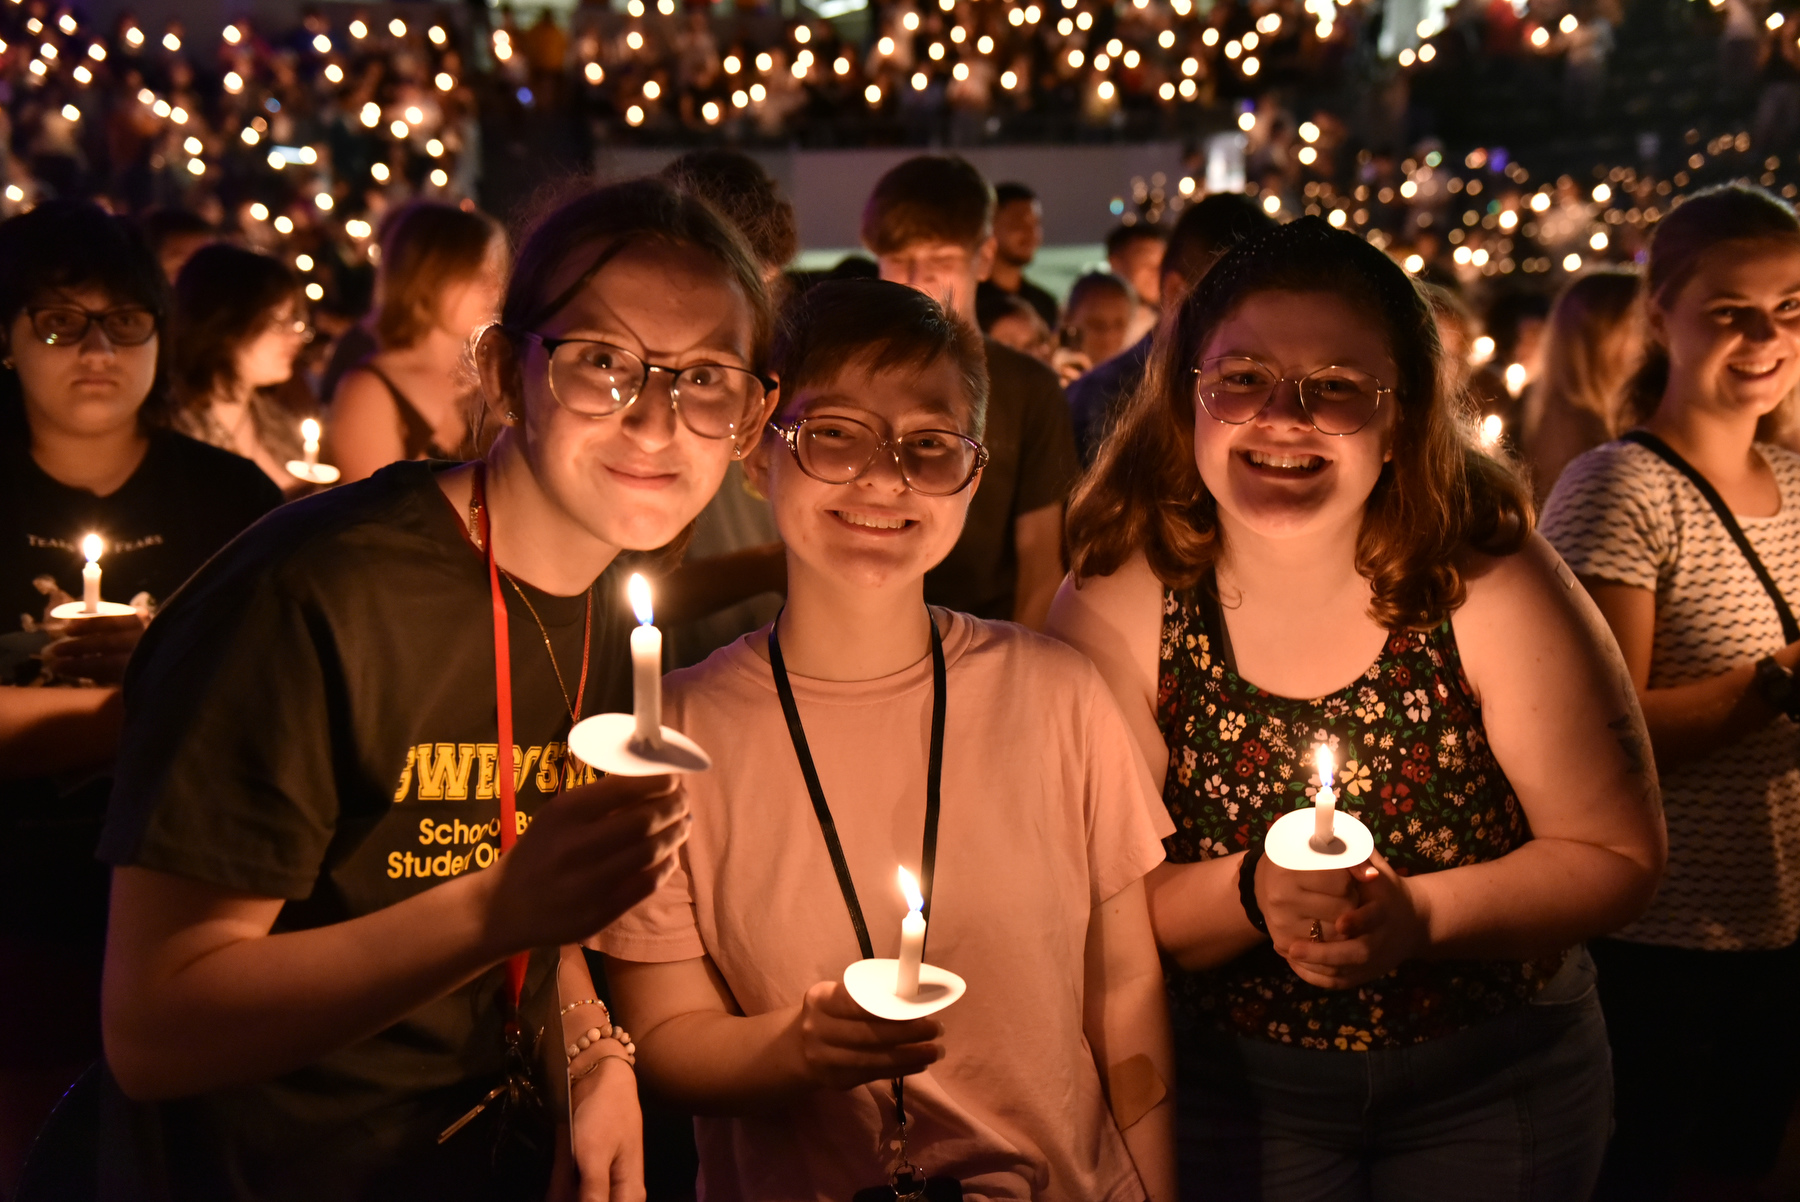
(67, 325)
(597, 379)
(839, 450)
(1337, 400)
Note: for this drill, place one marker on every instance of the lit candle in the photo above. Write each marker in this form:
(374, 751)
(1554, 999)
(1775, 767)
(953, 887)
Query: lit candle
(646, 666)
(309, 437)
(1491, 430)
(912, 938)
(1325, 804)
(91, 546)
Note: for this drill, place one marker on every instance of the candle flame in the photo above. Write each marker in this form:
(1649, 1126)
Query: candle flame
(638, 589)
(1327, 764)
(1491, 429)
(309, 430)
(915, 900)
(91, 546)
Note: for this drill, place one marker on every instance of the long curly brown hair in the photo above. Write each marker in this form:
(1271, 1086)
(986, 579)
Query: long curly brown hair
(1438, 497)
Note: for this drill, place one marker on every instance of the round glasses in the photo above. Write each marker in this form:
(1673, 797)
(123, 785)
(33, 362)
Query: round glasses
(1337, 400)
(66, 325)
(597, 379)
(838, 450)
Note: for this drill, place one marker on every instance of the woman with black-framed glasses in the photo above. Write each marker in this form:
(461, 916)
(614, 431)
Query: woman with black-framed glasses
(1292, 542)
(84, 449)
(1049, 1079)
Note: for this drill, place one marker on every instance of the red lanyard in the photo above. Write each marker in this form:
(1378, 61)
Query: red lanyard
(509, 793)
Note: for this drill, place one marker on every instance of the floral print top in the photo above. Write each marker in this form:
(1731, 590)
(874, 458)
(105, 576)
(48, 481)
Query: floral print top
(1414, 766)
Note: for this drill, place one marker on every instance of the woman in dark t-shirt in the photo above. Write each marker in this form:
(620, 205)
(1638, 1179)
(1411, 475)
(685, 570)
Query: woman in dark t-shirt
(314, 935)
(1291, 541)
(82, 310)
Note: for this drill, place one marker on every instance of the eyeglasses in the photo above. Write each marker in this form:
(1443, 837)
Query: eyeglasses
(65, 325)
(1337, 400)
(838, 450)
(294, 327)
(596, 379)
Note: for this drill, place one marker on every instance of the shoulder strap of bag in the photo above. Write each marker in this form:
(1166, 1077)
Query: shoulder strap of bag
(1790, 629)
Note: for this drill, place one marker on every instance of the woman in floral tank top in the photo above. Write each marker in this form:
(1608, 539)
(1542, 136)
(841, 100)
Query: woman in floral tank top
(1289, 542)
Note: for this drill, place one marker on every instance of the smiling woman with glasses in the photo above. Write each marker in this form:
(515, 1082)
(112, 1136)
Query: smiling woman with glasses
(1293, 542)
(240, 327)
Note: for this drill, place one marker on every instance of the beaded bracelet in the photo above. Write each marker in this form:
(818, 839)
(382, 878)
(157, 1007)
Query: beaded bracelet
(586, 1001)
(594, 1035)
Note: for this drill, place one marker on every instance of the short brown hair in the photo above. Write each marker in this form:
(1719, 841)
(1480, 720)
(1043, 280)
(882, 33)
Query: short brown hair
(224, 298)
(425, 247)
(928, 198)
(883, 325)
(1436, 498)
(736, 185)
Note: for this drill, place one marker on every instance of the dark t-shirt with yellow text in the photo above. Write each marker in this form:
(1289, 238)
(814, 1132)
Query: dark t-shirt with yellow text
(313, 718)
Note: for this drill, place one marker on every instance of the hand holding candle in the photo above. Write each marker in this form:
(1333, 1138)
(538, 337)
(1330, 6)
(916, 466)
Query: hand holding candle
(1325, 804)
(91, 546)
(912, 939)
(646, 667)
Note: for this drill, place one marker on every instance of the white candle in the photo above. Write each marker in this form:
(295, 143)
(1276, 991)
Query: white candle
(1325, 804)
(646, 666)
(309, 437)
(912, 938)
(91, 546)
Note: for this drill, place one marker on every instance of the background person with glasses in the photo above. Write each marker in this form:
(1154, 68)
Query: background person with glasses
(1291, 540)
(83, 449)
(730, 974)
(240, 326)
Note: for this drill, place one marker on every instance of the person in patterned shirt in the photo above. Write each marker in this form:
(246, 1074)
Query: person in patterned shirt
(1292, 540)
(1705, 1081)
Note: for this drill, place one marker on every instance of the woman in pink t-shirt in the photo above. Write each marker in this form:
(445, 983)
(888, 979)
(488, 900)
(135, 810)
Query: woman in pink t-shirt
(1047, 1079)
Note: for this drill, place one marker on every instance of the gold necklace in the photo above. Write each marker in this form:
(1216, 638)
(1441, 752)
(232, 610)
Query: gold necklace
(542, 630)
(475, 537)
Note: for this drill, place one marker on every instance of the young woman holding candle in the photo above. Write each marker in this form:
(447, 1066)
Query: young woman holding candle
(240, 325)
(730, 976)
(1291, 541)
(1711, 656)
(84, 452)
(311, 965)
(438, 283)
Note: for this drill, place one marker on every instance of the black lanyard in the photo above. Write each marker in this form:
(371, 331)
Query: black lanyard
(933, 779)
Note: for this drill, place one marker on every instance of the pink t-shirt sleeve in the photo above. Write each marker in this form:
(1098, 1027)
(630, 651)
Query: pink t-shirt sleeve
(1124, 834)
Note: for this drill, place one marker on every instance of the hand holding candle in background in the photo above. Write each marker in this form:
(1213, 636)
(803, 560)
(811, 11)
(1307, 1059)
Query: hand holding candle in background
(646, 666)
(912, 938)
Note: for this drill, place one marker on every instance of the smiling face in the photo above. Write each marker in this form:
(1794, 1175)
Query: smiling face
(1732, 329)
(634, 478)
(873, 532)
(1276, 476)
(87, 388)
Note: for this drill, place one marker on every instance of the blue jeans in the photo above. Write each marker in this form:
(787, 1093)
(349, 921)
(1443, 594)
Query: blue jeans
(1515, 1109)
